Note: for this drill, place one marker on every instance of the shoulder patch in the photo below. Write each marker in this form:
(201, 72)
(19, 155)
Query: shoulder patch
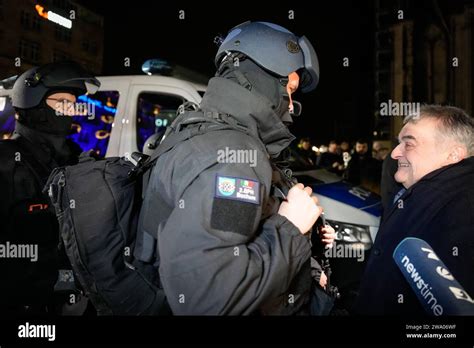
(237, 189)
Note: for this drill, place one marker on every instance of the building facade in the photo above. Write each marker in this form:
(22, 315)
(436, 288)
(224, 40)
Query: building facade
(36, 32)
(423, 54)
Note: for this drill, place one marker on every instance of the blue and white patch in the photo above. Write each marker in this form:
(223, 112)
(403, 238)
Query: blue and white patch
(238, 189)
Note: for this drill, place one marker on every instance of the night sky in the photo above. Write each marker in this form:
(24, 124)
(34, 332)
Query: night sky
(340, 108)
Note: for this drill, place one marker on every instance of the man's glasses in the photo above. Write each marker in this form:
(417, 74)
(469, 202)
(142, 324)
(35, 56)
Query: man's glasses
(65, 106)
(62, 100)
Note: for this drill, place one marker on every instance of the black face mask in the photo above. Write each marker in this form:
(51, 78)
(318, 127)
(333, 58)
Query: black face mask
(44, 119)
(251, 76)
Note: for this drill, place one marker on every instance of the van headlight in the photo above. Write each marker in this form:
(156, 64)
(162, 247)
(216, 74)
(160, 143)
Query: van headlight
(352, 234)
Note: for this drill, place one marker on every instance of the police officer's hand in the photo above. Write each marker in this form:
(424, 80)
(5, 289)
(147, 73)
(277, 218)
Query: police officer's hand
(323, 281)
(327, 235)
(300, 208)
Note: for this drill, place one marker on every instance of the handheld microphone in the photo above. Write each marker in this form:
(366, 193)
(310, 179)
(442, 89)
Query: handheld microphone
(432, 282)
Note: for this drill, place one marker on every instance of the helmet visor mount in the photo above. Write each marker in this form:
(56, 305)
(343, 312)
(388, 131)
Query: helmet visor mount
(92, 86)
(310, 74)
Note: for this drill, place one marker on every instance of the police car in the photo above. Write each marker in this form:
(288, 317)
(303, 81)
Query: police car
(353, 211)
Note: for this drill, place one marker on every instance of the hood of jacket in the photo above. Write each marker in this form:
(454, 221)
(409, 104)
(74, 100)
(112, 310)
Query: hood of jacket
(249, 109)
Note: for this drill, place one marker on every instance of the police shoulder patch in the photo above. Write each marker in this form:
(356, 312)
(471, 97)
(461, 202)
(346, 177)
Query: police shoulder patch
(237, 189)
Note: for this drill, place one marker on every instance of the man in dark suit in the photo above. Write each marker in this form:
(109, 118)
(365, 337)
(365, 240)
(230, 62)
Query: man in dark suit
(436, 167)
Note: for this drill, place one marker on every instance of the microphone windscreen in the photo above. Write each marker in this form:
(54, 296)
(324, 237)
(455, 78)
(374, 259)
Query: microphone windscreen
(434, 285)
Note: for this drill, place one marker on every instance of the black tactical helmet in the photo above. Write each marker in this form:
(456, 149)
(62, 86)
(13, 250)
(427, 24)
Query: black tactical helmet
(275, 49)
(36, 83)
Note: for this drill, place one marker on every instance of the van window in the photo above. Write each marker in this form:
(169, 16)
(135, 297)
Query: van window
(92, 131)
(155, 112)
(7, 118)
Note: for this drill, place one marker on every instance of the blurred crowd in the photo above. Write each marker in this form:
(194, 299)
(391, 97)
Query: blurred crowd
(359, 163)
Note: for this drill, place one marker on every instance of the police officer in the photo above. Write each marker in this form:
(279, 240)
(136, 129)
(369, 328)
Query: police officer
(44, 99)
(211, 219)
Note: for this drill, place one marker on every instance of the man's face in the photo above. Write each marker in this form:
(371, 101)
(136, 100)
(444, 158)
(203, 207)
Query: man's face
(332, 148)
(361, 149)
(421, 150)
(376, 146)
(306, 145)
(62, 103)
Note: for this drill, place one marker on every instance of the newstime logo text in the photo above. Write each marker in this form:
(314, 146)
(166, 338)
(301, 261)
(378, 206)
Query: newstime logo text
(423, 287)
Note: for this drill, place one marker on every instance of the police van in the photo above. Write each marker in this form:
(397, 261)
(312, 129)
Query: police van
(122, 115)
